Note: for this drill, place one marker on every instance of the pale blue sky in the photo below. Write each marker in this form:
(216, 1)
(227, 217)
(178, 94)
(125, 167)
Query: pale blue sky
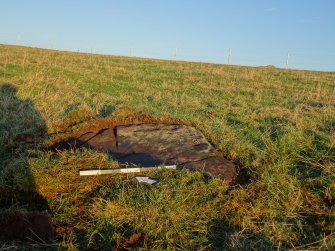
(259, 32)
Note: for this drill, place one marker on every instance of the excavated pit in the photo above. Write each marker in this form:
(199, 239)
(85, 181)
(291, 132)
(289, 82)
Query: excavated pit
(155, 144)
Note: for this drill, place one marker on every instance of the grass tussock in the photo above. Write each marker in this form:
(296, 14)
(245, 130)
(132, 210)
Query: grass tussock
(278, 124)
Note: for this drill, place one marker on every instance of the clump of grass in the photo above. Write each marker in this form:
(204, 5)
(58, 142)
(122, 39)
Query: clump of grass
(178, 212)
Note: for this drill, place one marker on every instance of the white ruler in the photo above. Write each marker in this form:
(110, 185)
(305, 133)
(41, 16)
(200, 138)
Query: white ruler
(123, 170)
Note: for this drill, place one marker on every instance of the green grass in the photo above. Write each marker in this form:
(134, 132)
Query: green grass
(278, 124)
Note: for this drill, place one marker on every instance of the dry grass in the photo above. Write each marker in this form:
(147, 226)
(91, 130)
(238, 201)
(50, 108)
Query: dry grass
(279, 124)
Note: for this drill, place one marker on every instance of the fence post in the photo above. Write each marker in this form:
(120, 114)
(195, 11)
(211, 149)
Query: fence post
(287, 60)
(175, 53)
(229, 56)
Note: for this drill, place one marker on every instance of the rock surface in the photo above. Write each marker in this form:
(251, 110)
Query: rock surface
(153, 144)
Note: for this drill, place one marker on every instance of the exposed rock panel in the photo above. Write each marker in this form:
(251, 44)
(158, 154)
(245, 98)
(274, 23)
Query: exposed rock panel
(154, 144)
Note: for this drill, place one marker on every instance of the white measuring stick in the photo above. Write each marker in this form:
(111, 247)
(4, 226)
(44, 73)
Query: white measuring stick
(123, 170)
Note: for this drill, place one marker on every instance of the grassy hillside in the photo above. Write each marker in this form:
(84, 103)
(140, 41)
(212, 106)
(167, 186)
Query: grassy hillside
(279, 125)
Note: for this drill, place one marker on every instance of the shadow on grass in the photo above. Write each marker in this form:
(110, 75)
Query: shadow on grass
(275, 126)
(106, 110)
(221, 236)
(316, 174)
(71, 108)
(312, 164)
(224, 237)
(329, 126)
(21, 206)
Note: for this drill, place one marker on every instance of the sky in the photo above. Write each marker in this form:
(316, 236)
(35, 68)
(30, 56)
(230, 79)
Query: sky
(253, 32)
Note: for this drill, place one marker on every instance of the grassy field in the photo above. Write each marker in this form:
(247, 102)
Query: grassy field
(279, 125)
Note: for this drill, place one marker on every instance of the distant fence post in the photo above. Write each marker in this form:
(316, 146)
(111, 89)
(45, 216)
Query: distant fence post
(175, 53)
(287, 60)
(131, 51)
(229, 56)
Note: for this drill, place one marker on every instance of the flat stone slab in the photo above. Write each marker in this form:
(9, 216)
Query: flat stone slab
(154, 144)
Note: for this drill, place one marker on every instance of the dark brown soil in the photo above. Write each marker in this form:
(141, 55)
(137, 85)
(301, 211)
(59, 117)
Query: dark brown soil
(134, 241)
(34, 225)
